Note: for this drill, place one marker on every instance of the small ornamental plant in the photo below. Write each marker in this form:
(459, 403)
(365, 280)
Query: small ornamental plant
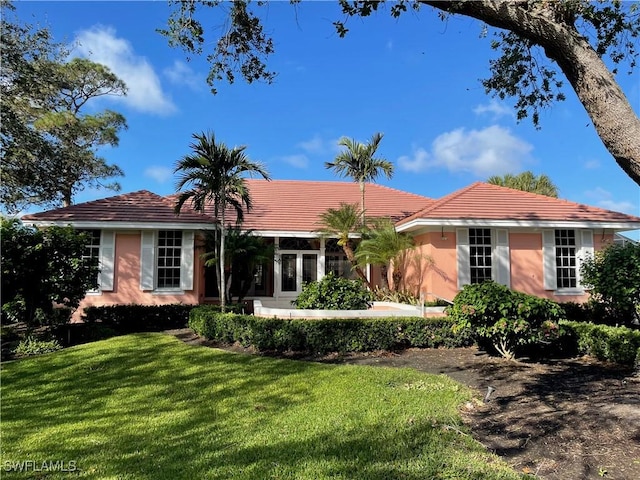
(334, 293)
(505, 319)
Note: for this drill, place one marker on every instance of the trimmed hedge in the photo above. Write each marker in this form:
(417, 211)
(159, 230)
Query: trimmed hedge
(139, 318)
(325, 335)
(612, 344)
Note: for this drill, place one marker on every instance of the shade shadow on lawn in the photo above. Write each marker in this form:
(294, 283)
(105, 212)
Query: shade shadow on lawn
(148, 406)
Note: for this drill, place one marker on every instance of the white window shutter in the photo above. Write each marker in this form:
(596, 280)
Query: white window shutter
(549, 259)
(107, 259)
(464, 266)
(187, 260)
(147, 260)
(586, 250)
(502, 268)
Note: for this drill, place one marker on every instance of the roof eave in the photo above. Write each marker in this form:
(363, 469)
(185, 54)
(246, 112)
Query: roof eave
(507, 223)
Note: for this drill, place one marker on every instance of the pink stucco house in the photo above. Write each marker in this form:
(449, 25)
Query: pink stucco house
(528, 242)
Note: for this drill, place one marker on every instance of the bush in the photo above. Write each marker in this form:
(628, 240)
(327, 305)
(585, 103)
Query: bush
(139, 318)
(325, 335)
(334, 293)
(614, 277)
(613, 344)
(43, 268)
(34, 346)
(506, 319)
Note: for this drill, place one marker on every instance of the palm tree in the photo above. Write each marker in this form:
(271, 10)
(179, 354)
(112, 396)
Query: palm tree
(341, 223)
(527, 182)
(357, 162)
(213, 174)
(384, 246)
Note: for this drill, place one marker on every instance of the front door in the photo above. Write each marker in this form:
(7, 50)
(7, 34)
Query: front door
(296, 269)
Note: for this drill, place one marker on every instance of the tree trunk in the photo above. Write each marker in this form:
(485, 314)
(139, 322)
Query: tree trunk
(348, 251)
(362, 203)
(222, 293)
(595, 85)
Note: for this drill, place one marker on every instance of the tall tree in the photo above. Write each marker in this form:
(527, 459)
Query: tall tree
(213, 174)
(358, 162)
(384, 246)
(49, 144)
(527, 182)
(342, 223)
(575, 36)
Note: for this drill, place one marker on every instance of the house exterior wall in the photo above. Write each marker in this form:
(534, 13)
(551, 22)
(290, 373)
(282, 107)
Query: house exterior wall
(126, 280)
(439, 277)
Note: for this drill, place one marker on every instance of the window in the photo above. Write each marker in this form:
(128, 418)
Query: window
(92, 248)
(566, 262)
(169, 254)
(480, 254)
(335, 261)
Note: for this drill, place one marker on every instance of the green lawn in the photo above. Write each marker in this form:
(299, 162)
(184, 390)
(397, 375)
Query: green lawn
(147, 406)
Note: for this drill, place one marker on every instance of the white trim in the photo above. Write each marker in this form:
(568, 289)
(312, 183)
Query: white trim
(107, 260)
(148, 260)
(462, 257)
(137, 226)
(187, 263)
(501, 268)
(489, 223)
(168, 291)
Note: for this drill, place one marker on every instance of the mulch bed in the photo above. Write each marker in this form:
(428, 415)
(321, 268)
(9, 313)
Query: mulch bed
(559, 420)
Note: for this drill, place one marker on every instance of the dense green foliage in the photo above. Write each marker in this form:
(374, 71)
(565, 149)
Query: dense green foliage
(612, 344)
(527, 182)
(139, 318)
(505, 318)
(148, 406)
(334, 293)
(613, 275)
(51, 131)
(43, 268)
(325, 335)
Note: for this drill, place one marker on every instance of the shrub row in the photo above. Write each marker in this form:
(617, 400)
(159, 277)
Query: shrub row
(139, 318)
(612, 344)
(325, 335)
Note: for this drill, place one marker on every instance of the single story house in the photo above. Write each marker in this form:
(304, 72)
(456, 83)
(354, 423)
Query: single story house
(528, 242)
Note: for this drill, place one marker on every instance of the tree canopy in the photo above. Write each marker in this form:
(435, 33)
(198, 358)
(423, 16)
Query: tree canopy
(540, 44)
(357, 161)
(49, 143)
(527, 182)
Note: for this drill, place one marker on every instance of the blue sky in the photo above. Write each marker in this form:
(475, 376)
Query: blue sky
(415, 79)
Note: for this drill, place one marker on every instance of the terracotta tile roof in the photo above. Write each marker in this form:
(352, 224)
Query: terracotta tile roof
(294, 205)
(485, 201)
(136, 207)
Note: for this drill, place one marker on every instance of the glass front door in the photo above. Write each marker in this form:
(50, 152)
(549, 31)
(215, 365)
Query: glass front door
(296, 269)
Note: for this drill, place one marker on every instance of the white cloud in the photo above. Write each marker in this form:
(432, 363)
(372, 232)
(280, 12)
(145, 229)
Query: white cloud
(182, 74)
(592, 164)
(490, 151)
(158, 173)
(319, 146)
(296, 161)
(418, 162)
(493, 108)
(604, 199)
(144, 91)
